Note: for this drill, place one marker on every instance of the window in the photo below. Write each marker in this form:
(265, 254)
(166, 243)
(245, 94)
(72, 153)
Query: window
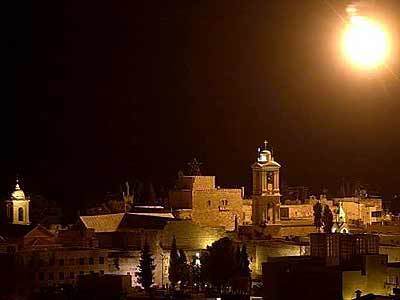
(81, 273)
(61, 262)
(81, 261)
(91, 261)
(41, 276)
(284, 212)
(20, 214)
(51, 276)
(61, 276)
(71, 275)
(209, 203)
(101, 260)
(376, 214)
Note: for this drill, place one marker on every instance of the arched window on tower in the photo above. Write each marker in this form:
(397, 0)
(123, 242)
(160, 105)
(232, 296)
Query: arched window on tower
(20, 214)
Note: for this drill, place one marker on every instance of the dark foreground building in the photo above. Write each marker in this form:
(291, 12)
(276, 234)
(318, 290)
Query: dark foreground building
(338, 266)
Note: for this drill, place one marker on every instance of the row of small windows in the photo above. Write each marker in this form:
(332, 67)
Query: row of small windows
(80, 261)
(63, 276)
(223, 202)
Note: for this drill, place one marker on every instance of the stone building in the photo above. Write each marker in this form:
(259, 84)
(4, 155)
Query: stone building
(197, 198)
(124, 236)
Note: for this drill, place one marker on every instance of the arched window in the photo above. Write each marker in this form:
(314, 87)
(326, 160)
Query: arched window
(20, 214)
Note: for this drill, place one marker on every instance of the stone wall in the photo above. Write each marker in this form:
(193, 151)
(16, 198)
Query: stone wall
(298, 211)
(247, 212)
(260, 252)
(189, 235)
(181, 199)
(393, 252)
(218, 207)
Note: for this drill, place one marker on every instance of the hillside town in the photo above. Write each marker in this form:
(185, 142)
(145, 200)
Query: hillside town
(206, 241)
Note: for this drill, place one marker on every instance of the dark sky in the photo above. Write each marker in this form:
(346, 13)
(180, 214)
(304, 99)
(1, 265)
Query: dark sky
(99, 91)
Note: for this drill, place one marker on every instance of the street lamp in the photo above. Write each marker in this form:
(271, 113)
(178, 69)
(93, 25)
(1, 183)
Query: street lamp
(366, 42)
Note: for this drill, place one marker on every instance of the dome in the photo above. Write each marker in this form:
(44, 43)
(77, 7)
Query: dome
(18, 194)
(264, 156)
(273, 163)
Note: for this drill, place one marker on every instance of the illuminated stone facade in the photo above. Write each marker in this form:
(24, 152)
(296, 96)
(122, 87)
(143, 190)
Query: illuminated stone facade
(197, 198)
(266, 195)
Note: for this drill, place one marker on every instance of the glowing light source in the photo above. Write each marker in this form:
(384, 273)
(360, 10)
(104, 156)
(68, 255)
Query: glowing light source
(365, 42)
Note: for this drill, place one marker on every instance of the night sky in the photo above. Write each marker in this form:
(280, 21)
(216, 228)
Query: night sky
(100, 91)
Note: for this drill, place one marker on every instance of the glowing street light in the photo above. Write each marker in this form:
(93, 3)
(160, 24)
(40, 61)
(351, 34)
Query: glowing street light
(365, 42)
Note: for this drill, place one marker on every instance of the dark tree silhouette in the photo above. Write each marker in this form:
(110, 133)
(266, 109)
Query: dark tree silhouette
(184, 272)
(219, 267)
(318, 215)
(244, 263)
(173, 270)
(146, 268)
(327, 219)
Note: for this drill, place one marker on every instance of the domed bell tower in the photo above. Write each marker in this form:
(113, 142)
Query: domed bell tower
(266, 195)
(17, 207)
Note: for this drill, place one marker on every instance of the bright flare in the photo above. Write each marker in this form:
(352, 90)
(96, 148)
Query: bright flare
(365, 43)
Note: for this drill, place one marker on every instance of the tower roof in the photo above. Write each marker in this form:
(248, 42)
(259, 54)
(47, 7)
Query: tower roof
(18, 193)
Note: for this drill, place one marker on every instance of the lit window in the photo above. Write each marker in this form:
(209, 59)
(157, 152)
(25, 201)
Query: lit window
(20, 214)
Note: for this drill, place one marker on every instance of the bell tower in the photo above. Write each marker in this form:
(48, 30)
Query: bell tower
(266, 195)
(17, 207)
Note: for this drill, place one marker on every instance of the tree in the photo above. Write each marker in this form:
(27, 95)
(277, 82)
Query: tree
(318, 215)
(219, 266)
(242, 279)
(146, 268)
(183, 268)
(173, 269)
(327, 219)
(195, 271)
(244, 263)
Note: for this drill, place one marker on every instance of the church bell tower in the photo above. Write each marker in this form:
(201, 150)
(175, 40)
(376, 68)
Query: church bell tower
(266, 195)
(17, 207)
